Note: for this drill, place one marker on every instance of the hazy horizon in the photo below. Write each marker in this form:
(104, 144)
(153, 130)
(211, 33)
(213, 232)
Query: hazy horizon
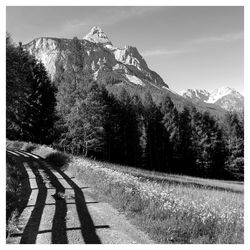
(189, 47)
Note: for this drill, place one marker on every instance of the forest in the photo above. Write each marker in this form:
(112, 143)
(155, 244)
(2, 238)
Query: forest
(80, 116)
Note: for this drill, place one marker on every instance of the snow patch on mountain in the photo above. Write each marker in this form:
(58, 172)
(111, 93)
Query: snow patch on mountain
(216, 94)
(96, 35)
(225, 97)
(134, 80)
(195, 94)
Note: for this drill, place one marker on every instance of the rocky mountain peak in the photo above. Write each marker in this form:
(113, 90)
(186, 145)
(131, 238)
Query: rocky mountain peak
(195, 94)
(225, 97)
(96, 35)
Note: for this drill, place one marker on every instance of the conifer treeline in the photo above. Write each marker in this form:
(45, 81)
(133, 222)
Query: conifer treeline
(30, 97)
(128, 130)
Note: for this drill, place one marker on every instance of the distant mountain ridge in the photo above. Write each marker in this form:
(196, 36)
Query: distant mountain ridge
(225, 97)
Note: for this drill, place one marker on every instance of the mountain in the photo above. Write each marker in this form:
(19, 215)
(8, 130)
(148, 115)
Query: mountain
(101, 59)
(195, 95)
(224, 97)
(115, 67)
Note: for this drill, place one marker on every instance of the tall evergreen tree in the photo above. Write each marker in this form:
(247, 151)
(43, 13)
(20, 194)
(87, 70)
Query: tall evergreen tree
(112, 129)
(234, 137)
(157, 157)
(80, 107)
(140, 134)
(208, 144)
(30, 97)
(186, 163)
(171, 123)
(129, 129)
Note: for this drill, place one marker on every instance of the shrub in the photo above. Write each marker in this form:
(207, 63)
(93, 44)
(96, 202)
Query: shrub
(58, 159)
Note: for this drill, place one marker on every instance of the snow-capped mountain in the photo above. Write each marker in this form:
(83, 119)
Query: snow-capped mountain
(225, 97)
(195, 94)
(113, 66)
(101, 59)
(96, 35)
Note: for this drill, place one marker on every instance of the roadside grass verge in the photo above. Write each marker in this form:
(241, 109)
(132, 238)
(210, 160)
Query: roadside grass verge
(41, 150)
(15, 177)
(52, 156)
(21, 145)
(169, 212)
(159, 177)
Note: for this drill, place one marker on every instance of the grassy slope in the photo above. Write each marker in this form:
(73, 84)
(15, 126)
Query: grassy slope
(170, 208)
(235, 186)
(170, 212)
(17, 193)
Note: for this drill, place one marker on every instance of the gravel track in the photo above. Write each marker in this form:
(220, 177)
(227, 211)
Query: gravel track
(61, 209)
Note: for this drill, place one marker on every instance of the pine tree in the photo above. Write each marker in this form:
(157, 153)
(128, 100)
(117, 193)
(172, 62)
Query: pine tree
(72, 90)
(30, 97)
(171, 123)
(208, 144)
(129, 129)
(112, 129)
(140, 135)
(186, 164)
(234, 136)
(156, 152)
(80, 107)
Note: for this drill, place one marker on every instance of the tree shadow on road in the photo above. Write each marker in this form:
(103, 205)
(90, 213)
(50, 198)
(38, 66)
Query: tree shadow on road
(31, 229)
(59, 229)
(87, 226)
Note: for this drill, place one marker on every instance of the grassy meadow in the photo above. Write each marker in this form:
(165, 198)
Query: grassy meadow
(170, 212)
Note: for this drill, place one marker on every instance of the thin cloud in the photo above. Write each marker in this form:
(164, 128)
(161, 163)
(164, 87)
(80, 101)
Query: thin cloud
(109, 16)
(127, 13)
(221, 38)
(162, 52)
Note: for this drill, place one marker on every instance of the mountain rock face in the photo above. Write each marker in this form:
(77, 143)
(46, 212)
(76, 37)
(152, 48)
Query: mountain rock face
(116, 67)
(195, 95)
(101, 59)
(96, 35)
(224, 97)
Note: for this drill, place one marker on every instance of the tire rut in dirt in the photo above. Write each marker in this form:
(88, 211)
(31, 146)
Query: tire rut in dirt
(31, 229)
(59, 235)
(87, 226)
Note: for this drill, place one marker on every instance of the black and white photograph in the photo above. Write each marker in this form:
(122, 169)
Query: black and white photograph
(124, 124)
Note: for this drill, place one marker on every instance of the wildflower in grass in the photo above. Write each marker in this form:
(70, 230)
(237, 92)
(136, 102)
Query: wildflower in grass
(201, 207)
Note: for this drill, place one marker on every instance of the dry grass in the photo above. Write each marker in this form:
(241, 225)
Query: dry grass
(14, 181)
(169, 212)
(21, 145)
(159, 177)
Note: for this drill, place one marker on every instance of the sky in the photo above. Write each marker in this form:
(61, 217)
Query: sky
(189, 47)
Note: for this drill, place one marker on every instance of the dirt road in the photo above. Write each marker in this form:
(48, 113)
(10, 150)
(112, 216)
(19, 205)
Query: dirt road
(60, 209)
